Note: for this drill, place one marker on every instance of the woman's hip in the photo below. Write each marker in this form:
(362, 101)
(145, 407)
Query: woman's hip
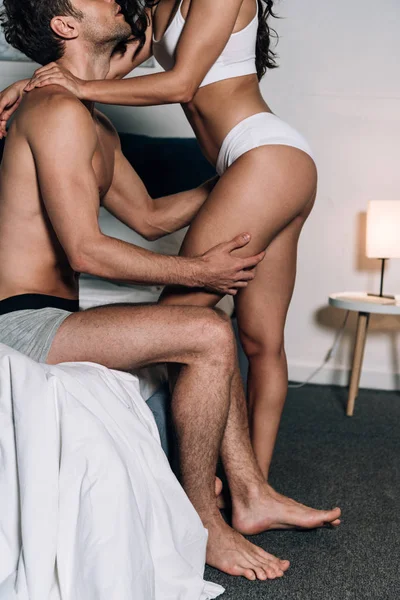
(261, 129)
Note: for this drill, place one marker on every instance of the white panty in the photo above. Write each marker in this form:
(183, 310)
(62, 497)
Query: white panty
(262, 129)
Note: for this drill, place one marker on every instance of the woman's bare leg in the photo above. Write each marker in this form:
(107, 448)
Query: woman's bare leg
(268, 191)
(261, 313)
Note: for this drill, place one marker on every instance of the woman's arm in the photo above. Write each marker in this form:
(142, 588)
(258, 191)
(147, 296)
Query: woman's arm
(10, 99)
(208, 27)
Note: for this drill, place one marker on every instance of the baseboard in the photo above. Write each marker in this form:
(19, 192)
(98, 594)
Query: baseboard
(332, 375)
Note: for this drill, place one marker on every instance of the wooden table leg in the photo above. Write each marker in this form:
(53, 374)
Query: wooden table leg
(359, 347)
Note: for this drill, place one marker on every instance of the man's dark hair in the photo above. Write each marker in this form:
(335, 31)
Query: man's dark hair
(26, 26)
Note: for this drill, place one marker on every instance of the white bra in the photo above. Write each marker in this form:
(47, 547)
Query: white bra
(237, 59)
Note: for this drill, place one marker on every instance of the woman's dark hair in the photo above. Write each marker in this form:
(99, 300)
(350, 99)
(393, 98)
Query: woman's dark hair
(26, 26)
(135, 14)
(265, 56)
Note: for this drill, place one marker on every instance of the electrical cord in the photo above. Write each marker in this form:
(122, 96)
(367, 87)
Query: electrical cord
(330, 354)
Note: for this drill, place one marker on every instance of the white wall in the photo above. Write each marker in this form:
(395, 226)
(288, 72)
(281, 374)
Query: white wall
(339, 85)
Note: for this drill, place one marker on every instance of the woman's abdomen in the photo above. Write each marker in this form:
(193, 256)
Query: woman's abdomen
(216, 109)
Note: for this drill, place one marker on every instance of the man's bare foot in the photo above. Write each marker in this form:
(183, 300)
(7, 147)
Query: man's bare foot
(231, 553)
(266, 509)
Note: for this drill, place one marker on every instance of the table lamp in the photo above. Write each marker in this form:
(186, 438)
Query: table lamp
(383, 233)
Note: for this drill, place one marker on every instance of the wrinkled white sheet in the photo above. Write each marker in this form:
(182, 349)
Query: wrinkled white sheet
(89, 508)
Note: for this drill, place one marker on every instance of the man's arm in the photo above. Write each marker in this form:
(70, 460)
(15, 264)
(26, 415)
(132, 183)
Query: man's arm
(63, 146)
(129, 201)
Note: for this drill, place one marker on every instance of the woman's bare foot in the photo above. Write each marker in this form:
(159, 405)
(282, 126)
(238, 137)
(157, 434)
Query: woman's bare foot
(219, 493)
(231, 553)
(266, 509)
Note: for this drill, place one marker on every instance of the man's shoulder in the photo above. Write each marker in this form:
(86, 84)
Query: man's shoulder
(52, 106)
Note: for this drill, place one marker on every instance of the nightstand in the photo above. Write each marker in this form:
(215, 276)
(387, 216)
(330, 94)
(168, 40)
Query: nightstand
(364, 305)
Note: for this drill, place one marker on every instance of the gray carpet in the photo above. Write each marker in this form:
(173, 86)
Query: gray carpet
(326, 459)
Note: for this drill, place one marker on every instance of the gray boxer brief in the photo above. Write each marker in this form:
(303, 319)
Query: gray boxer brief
(32, 331)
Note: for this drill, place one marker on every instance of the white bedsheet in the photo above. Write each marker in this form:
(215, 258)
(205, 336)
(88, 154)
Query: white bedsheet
(89, 508)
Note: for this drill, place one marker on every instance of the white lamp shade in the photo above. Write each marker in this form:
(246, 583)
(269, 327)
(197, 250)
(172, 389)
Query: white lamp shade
(383, 229)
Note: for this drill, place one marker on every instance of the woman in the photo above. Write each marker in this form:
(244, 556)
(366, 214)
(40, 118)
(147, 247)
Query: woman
(214, 54)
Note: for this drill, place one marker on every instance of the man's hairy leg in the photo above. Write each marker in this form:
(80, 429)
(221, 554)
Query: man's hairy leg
(129, 336)
(201, 340)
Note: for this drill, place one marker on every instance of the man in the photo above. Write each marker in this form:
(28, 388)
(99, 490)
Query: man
(69, 160)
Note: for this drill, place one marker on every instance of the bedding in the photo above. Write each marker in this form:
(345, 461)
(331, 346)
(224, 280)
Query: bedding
(89, 508)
